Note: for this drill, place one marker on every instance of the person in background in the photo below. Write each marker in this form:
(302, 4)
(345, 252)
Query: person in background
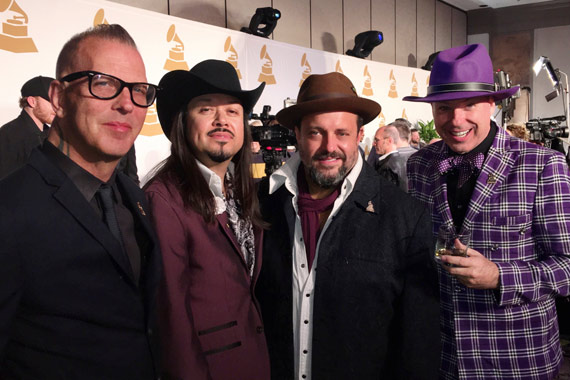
(391, 165)
(415, 140)
(79, 260)
(513, 198)
(518, 130)
(20, 136)
(205, 210)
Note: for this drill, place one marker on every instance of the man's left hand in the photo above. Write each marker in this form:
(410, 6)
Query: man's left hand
(474, 271)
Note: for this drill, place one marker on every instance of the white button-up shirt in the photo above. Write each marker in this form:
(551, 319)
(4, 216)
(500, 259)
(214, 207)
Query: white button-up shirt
(215, 184)
(303, 280)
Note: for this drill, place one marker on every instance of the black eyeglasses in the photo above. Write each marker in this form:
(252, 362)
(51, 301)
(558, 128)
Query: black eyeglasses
(105, 86)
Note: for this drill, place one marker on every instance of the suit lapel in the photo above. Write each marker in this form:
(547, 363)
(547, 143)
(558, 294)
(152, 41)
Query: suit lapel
(497, 165)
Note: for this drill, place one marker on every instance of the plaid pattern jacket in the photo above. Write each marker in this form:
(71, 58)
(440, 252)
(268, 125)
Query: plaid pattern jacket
(519, 218)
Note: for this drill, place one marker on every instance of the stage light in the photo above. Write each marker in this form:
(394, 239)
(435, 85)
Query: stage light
(365, 42)
(544, 62)
(263, 22)
(430, 60)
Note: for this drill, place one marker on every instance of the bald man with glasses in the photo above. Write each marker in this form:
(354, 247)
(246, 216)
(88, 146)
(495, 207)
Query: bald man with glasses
(79, 261)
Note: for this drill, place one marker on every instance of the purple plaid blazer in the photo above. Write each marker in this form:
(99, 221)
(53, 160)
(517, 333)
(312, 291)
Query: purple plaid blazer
(519, 218)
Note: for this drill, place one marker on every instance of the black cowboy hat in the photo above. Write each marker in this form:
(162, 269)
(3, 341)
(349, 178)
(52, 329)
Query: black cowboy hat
(211, 76)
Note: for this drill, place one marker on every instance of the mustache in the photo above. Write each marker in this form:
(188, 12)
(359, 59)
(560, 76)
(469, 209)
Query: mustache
(325, 155)
(216, 130)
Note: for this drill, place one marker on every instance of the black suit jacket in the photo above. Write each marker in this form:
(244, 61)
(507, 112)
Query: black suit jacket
(376, 303)
(393, 168)
(69, 306)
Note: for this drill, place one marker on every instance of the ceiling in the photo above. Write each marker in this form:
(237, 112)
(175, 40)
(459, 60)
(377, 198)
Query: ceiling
(468, 5)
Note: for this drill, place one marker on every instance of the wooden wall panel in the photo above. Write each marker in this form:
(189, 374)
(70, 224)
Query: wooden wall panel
(160, 6)
(384, 20)
(406, 39)
(326, 26)
(425, 30)
(442, 26)
(211, 12)
(458, 28)
(295, 24)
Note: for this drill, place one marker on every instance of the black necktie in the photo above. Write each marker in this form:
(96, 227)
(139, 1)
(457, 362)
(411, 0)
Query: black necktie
(106, 195)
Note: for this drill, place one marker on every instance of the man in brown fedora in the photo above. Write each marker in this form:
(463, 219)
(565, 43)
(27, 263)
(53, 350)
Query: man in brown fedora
(205, 210)
(513, 199)
(348, 289)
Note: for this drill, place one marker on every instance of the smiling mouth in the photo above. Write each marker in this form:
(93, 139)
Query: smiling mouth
(460, 134)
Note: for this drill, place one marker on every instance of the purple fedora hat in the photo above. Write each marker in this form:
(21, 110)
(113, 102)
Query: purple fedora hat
(462, 72)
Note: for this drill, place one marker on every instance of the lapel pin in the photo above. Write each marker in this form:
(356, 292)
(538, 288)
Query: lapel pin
(370, 207)
(491, 180)
(141, 209)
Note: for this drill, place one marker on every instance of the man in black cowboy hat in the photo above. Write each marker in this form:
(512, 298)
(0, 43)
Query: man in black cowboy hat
(205, 210)
(348, 289)
(513, 198)
(19, 136)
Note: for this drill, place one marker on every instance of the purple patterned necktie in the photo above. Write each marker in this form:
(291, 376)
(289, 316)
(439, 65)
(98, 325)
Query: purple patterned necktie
(466, 164)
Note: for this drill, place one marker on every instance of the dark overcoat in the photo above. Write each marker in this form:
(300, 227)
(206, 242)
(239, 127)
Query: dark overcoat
(375, 310)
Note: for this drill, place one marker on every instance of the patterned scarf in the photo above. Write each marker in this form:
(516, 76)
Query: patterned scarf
(242, 228)
(309, 210)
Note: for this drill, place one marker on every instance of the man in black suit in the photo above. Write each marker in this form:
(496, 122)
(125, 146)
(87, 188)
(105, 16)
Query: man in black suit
(390, 164)
(348, 287)
(79, 262)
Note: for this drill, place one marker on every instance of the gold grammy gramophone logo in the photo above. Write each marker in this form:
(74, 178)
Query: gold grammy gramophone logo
(266, 74)
(100, 18)
(232, 58)
(381, 120)
(393, 93)
(414, 85)
(14, 35)
(151, 125)
(307, 69)
(404, 116)
(427, 80)
(367, 90)
(337, 68)
(175, 60)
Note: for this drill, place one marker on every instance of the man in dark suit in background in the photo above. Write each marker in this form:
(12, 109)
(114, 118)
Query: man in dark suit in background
(79, 263)
(390, 165)
(19, 136)
(348, 288)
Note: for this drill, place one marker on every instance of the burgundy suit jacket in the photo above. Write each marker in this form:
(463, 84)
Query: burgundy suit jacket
(209, 319)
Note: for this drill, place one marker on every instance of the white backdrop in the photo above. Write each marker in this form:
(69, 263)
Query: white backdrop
(33, 32)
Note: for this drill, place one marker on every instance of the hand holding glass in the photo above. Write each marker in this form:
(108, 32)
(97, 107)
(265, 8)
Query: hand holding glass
(445, 244)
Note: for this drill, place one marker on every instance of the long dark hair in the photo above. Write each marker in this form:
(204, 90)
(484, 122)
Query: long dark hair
(181, 169)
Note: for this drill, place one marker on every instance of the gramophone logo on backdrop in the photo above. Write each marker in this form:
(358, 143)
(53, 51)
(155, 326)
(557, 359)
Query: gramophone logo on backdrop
(393, 93)
(14, 35)
(307, 69)
(427, 80)
(100, 18)
(367, 90)
(266, 74)
(175, 60)
(337, 68)
(404, 116)
(381, 120)
(414, 85)
(232, 58)
(151, 125)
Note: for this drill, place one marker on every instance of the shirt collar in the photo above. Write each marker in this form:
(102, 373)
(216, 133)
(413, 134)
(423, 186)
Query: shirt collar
(215, 185)
(386, 155)
(287, 175)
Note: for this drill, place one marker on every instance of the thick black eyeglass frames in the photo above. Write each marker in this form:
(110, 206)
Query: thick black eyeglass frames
(105, 86)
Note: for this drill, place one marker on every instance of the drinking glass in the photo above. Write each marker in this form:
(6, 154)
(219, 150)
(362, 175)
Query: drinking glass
(445, 244)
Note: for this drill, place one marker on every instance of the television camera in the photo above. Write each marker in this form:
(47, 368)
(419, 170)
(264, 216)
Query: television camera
(273, 139)
(547, 130)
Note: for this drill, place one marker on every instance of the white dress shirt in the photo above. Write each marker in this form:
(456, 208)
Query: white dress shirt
(303, 280)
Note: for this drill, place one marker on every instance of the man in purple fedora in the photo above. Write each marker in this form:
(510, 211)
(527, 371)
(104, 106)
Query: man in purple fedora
(513, 198)
(348, 289)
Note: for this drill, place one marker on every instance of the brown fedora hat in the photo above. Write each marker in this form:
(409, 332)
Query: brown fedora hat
(327, 93)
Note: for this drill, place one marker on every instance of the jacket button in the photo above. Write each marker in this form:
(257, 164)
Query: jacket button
(259, 329)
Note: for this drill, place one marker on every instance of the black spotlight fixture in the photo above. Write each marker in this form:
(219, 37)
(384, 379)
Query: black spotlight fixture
(263, 22)
(365, 42)
(429, 62)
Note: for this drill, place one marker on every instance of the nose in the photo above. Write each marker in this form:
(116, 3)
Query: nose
(329, 143)
(123, 101)
(220, 119)
(458, 116)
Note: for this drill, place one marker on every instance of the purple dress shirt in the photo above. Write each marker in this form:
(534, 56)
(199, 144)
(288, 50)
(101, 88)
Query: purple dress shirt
(519, 218)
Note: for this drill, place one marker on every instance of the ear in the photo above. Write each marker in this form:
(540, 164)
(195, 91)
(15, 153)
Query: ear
(491, 106)
(360, 133)
(32, 101)
(298, 133)
(56, 90)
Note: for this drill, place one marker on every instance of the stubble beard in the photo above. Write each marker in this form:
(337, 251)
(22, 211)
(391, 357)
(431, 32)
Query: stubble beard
(328, 181)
